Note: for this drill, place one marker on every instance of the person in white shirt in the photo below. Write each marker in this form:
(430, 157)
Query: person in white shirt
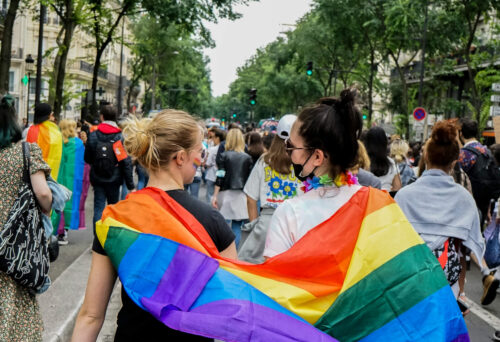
(217, 137)
(271, 182)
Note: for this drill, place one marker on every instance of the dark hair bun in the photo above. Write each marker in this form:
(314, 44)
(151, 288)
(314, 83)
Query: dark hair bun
(444, 133)
(348, 96)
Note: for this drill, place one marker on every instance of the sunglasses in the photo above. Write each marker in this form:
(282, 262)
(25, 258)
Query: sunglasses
(289, 147)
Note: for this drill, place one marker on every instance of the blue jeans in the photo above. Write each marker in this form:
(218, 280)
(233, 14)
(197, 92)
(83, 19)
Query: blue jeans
(109, 193)
(142, 177)
(236, 228)
(124, 191)
(210, 190)
(194, 188)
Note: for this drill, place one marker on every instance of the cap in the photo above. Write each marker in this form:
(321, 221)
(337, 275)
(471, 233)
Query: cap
(285, 125)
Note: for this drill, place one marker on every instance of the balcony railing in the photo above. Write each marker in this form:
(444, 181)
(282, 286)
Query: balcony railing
(87, 67)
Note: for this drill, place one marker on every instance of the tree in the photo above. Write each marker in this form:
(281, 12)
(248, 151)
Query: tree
(71, 13)
(6, 49)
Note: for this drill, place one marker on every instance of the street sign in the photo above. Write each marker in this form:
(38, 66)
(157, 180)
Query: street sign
(495, 98)
(494, 110)
(419, 113)
(495, 87)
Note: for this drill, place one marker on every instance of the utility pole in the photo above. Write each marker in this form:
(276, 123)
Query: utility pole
(422, 69)
(38, 84)
(120, 80)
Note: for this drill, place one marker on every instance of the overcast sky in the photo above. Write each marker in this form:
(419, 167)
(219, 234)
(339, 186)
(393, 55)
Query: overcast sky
(236, 41)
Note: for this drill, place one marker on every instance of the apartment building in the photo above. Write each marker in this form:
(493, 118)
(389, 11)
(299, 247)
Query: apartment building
(79, 66)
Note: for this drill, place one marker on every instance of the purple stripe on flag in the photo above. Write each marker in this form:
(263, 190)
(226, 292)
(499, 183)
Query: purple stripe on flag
(186, 277)
(462, 338)
(83, 196)
(182, 282)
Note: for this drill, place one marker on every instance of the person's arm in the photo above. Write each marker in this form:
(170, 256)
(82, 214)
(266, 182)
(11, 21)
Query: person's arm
(252, 208)
(230, 252)
(214, 197)
(396, 182)
(42, 191)
(99, 288)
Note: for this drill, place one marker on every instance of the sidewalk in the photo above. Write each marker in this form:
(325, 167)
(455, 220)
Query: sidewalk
(60, 305)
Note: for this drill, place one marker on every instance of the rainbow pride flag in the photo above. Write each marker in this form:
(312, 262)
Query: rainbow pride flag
(364, 274)
(49, 138)
(71, 175)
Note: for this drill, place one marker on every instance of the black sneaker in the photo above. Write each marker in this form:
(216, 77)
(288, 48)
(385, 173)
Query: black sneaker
(62, 240)
(490, 285)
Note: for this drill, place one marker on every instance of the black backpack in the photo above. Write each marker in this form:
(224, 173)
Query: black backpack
(105, 160)
(484, 177)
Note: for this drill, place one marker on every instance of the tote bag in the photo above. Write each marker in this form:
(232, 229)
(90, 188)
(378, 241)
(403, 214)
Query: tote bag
(24, 254)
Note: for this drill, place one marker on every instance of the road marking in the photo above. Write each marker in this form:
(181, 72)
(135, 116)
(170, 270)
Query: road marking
(485, 315)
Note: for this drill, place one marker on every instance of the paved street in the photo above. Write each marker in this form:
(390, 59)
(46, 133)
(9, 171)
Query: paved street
(74, 260)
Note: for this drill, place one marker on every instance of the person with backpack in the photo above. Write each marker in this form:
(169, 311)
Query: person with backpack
(476, 160)
(109, 163)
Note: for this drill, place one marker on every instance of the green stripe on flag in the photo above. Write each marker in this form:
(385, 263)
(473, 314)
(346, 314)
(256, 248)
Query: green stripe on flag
(384, 294)
(118, 241)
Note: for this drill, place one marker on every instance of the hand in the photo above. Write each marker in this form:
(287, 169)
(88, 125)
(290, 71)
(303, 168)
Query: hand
(214, 202)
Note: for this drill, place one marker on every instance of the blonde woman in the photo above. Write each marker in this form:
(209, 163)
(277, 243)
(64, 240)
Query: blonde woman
(234, 168)
(399, 152)
(70, 175)
(169, 146)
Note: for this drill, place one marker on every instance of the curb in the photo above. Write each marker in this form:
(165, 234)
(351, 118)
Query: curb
(60, 305)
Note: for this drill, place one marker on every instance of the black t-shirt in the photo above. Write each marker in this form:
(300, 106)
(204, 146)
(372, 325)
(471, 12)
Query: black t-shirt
(135, 324)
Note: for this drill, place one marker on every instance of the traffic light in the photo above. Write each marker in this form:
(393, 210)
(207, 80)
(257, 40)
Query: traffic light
(234, 115)
(253, 96)
(223, 119)
(365, 116)
(309, 69)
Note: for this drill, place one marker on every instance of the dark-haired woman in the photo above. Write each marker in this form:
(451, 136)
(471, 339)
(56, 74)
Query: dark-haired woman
(381, 165)
(440, 198)
(20, 318)
(271, 182)
(255, 146)
(323, 147)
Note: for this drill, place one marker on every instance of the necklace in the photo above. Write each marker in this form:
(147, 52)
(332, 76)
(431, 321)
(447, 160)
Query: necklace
(344, 178)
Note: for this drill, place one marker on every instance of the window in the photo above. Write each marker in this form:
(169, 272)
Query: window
(11, 81)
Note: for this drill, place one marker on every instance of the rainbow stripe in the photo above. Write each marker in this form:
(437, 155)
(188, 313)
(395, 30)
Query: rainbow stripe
(49, 138)
(377, 280)
(71, 175)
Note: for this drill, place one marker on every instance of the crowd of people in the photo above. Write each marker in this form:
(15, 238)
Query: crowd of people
(265, 192)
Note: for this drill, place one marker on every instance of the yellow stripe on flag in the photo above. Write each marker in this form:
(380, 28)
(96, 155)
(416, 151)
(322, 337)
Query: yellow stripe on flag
(295, 299)
(384, 234)
(55, 149)
(102, 228)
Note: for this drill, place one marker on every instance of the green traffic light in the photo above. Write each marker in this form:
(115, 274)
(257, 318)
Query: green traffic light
(364, 117)
(309, 72)
(234, 115)
(252, 102)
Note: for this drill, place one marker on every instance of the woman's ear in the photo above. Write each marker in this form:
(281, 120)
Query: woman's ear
(318, 157)
(180, 158)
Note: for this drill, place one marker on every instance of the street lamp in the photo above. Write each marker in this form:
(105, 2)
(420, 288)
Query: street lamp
(29, 68)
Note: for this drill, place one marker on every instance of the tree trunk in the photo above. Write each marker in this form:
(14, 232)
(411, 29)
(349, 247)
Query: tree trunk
(95, 75)
(6, 51)
(69, 26)
(57, 60)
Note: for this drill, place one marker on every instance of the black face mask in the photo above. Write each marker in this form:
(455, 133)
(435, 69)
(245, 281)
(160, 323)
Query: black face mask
(298, 168)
